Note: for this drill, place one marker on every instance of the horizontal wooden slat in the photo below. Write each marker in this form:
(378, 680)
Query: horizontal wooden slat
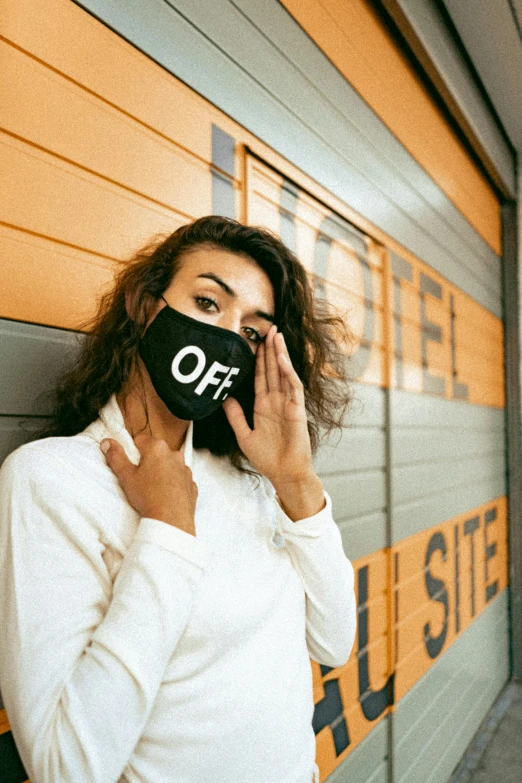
(350, 32)
(38, 105)
(362, 535)
(357, 449)
(61, 196)
(48, 282)
(432, 41)
(356, 494)
(445, 707)
(366, 759)
(81, 50)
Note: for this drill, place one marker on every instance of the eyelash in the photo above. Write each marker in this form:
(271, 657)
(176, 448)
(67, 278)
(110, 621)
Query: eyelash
(198, 299)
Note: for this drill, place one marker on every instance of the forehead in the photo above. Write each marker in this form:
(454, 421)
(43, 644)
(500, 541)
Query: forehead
(239, 272)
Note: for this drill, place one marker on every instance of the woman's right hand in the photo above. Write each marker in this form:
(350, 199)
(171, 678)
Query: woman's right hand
(161, 486)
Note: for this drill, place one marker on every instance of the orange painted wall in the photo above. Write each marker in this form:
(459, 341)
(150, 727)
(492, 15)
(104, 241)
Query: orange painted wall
(353, 37)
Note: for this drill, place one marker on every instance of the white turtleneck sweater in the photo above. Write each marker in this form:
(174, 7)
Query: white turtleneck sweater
(134, 652)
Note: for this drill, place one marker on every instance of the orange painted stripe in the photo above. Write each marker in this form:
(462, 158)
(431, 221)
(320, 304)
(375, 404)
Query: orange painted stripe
(45, 282)
(468, 556)
(353, 37)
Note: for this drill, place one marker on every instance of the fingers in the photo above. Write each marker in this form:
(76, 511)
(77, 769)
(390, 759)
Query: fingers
(295, 385)
(273, 376)
(274, 369)
(116, 458)
(236, 418)
(287, 388)
(144, 442)
(260, 386)
(151, 447)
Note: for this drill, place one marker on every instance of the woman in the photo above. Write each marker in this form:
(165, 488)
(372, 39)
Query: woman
(169, 562)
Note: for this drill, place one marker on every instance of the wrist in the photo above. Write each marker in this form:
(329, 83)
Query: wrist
(301, 497)
(305, 478)
(185, 523)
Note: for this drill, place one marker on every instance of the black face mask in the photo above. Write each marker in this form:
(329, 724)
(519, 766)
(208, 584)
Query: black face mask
(193, 366)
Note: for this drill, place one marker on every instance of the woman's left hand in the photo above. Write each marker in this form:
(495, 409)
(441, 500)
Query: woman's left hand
(279, 445)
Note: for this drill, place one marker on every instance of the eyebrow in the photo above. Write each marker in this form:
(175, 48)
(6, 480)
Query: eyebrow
(231, 292)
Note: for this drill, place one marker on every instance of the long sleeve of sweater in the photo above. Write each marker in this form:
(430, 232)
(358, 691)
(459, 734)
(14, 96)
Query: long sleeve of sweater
(316, 550)
(81, 658)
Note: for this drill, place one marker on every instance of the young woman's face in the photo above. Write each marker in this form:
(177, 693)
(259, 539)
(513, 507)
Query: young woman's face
(224, 289)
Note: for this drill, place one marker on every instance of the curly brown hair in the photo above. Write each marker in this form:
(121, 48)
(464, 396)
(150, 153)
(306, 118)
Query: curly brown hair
(108, 355)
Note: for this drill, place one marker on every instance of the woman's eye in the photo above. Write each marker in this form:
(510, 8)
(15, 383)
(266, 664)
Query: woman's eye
(253, 335)
(204, 303)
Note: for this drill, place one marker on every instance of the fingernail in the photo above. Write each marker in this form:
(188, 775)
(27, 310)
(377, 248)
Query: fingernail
(105, 446)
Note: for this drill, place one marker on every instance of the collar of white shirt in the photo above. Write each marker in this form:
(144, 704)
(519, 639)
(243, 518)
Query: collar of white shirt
(114, 427)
